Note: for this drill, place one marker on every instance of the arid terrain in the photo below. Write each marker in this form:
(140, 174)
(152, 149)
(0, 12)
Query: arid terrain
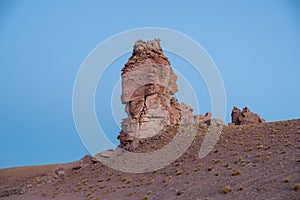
(252, 159)
(255, 161)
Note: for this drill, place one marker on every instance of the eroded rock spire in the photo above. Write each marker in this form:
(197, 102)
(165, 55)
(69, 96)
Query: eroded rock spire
(148, 86)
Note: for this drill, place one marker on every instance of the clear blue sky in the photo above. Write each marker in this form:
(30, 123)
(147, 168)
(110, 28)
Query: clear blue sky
(255, 44)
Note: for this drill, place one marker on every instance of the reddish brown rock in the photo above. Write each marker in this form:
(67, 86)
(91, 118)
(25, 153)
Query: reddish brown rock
(86, 159)
(148, 83)
(245, 116)
(203, 118)
(127, 141)
(60, 172)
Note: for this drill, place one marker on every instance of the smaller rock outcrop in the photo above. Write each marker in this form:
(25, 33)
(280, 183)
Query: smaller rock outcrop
(245, 116)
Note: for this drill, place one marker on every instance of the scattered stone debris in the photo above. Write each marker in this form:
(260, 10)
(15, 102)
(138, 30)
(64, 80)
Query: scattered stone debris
(60, 172)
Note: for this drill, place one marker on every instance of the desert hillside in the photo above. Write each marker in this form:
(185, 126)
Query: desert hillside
(256, 161)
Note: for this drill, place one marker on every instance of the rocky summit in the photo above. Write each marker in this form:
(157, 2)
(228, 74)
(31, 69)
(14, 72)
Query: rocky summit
(148, 83)
(245, 116)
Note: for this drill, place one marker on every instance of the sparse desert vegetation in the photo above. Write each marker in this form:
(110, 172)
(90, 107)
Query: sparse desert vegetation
(247, 168)
(226, 189)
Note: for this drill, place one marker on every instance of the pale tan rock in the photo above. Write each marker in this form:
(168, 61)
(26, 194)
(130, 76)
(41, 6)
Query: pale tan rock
(107, 154)
(148, 83)
(203, 118)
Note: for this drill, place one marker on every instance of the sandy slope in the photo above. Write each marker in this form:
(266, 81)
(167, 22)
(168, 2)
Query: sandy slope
(259, 161)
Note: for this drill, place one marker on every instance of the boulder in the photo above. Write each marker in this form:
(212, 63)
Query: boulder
(245, 116)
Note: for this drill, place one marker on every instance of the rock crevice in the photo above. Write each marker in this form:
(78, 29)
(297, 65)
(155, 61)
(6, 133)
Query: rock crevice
(148, 86)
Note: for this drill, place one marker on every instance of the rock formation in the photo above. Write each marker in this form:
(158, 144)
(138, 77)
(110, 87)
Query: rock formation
(148, 83)
(245, 116)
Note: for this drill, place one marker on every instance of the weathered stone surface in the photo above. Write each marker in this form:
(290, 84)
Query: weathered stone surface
(60, 172)
(203, 118)
(216, 122)
(186, 114)
(148, 83)
(245, 116)
(127, 141)
(107, 153)
(86, 159)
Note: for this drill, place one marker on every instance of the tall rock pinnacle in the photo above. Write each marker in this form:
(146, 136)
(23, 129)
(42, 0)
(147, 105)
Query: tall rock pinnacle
(148, 83)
